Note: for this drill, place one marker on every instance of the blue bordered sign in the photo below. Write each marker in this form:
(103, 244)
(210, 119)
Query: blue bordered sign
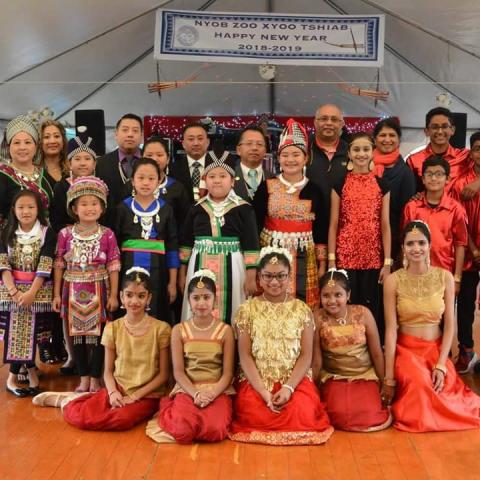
(270, 38)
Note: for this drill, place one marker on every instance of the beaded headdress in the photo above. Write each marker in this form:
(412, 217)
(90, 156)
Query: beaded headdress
(294, 134)
(86, 186)
(19, 124)
(224, 161)
(203, 273)
(81, 143)
(278, 250)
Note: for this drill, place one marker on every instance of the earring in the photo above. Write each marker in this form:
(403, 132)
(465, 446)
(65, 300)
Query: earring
(148, 308)
(427, 260)
(133, 192)
(156, 193)
(405, 261)
(349, 165)
(122, 306)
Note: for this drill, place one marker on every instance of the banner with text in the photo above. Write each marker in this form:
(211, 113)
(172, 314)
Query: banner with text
(279, 39)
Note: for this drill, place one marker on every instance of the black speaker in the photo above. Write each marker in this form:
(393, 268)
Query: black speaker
(94, 120)
(459, 138)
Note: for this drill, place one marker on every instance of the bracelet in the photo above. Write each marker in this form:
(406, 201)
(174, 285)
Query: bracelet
(388, 262)
(288, 387)
(476, 253)
(331, 256)
(112, 392)
(390, 382)
(14, 293)
(457, 278)
(440, 367)
(196, 394)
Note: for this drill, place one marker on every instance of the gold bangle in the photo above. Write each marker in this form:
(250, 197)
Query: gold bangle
(440, 367)
(331, 256)
(390, 382)
(476, 252)
(388, 262)
(457, 278)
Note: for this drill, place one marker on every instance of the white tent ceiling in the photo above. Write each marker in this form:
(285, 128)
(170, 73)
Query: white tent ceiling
(98, 54)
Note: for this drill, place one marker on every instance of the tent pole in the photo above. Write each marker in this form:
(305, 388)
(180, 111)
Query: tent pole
(271, 83)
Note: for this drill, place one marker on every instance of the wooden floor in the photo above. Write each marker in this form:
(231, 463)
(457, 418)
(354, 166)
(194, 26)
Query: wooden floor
(35, 444)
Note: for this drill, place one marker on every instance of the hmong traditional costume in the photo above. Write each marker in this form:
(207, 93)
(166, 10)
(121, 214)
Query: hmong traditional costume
(417, 407)
(174, 193)
(30, 256)
(148, 239)
(296, 220)
(87, 263)
(223, 238)
(137, 362)
(178, 415)
(350, 387)
(12, 181)
(275, 331)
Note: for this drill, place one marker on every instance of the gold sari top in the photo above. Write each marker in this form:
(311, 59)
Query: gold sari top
(420, 297)
(203, 357)
(275, 330)
(345, 354)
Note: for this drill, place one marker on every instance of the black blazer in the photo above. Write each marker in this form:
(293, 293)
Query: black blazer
(108, 169)
(240, 187)
(179, 171)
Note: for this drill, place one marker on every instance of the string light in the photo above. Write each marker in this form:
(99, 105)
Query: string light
(172, 127)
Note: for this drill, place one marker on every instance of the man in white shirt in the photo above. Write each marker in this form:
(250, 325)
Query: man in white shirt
(249, 173)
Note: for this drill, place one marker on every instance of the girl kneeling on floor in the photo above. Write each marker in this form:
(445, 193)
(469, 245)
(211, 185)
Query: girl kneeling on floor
(136, 366)
(199, 407)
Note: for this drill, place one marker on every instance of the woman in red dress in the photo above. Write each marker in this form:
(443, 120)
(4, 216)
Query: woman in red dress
(426, 391)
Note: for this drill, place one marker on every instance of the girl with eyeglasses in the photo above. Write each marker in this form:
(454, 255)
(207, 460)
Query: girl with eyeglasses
(277, 402)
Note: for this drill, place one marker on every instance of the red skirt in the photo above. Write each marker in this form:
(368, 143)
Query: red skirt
(93, 412)
(416, 407)
(355, 405)
(186, 422)
(302, 421)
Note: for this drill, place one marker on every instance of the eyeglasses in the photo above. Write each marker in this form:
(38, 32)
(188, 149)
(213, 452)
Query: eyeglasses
(431, 175)
(253, 144)
(435, 127)
(326, 118)
(269, 277)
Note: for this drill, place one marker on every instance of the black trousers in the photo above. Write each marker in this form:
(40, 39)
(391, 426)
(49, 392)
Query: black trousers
(89, 358)
(15, 367)
(368, 292)
(466, 308)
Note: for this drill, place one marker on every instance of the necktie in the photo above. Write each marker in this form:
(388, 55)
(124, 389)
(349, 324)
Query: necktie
(196, 174)
(127, 165)
(252, 179)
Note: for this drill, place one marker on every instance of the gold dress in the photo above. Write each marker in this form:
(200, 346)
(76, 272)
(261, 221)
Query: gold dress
(275, 331)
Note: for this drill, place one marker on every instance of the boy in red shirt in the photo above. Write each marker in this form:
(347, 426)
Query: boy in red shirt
(445, 217)
(467, 357)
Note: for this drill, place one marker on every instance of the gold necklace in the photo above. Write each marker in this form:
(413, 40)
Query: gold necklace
(137, 329)
(341, 321)
(203, 329)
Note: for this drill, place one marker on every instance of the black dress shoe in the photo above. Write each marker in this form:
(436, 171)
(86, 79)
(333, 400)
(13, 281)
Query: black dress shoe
(32, 391)
(18, 392)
